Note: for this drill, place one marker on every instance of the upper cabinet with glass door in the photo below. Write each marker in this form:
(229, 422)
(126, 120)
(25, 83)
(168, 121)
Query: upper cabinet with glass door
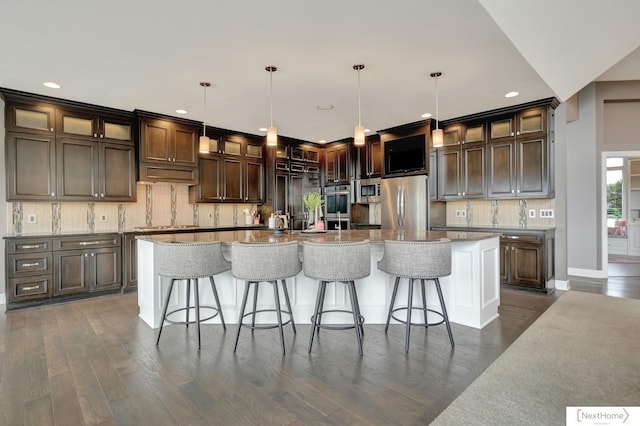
(31, 118)
(87, 124)
(531, 122)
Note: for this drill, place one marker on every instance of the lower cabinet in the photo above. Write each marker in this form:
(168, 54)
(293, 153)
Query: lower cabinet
(47, 269)
(130, 262)
(527, 259)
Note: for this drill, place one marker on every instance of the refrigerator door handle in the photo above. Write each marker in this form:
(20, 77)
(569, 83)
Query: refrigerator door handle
(402, 209)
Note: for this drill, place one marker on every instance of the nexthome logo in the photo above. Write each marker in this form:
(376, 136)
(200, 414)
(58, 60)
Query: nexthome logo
(603, 416)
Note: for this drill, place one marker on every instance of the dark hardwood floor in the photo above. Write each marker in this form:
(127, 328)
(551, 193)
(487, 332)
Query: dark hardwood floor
(93, 362)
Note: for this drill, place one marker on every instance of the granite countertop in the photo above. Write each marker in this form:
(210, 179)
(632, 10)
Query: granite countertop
(269, 236)
(489, 228)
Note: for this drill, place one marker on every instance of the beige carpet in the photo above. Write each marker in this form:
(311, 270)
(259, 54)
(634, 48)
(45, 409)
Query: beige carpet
(583, 351)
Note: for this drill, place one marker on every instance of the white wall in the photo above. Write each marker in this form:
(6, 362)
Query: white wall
(3, 205)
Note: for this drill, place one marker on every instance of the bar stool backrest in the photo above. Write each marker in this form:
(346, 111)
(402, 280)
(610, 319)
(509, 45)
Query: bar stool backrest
(416, 259)
(265, 262)
(189, 260)
(341, 261)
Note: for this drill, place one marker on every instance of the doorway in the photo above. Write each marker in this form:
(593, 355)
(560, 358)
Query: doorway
(621, 196)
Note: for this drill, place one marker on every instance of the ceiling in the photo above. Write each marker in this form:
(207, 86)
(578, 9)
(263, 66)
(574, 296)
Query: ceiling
(151, 55)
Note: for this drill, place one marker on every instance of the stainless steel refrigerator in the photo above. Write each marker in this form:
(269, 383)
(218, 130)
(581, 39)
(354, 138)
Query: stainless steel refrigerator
(405, 203)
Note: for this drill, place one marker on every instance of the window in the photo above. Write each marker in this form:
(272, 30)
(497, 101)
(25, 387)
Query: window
(614, 190)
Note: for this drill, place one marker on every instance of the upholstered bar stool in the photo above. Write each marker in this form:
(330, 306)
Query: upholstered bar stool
(189, 262)
(337, 263)
(417, 260)
(257, 263)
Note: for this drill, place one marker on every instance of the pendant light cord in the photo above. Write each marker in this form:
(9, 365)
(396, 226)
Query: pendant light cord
(271, 96)
(359, 112)
(437, 112)
(204, 123)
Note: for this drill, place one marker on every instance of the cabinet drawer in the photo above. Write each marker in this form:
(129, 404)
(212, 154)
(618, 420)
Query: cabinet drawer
(28, 288)
(28, 246)
(87, 243)
(19, 265)
(525, 238)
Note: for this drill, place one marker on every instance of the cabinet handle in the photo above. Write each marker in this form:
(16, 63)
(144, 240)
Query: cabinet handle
(101, 136)
(30, 265)
(31, 287)
(95, 195)
(88, 243)
(53, 194)
(102, 194)
(86, 255)
(95, 135)
(30, 246)
(51, 129)
(513, 248)
(93, 254)
(512, 191)
(513, 237)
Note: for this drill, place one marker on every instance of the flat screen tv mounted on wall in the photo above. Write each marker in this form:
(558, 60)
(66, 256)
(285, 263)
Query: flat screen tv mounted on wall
(405, 155)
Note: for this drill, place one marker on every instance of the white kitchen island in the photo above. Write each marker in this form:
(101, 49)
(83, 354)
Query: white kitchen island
(472, 291)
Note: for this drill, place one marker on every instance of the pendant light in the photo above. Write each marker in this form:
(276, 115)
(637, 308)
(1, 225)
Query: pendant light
(358, 135)
(437, 136)
(272, 132)
(204, 139)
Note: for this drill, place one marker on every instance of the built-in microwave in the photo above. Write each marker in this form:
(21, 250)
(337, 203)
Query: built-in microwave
(367, 191)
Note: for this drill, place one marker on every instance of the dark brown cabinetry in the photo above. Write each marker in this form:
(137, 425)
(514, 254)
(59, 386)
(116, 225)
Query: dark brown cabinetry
(337, 164)
(168, 149)
(130, 261)
(526, 259)
(370, 158)
(87, 264)
(497, 154)
(58, 152)
(39, 269)
(232, 172)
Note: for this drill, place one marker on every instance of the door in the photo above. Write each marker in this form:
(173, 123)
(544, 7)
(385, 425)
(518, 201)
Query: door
(532, 167)
(281, 195)
(296, 203)
(405, 203)
(208, 190)
(501, 179)
(31, 167)
(527, 265)
(155, 141)
(473, 176)
(185, 148)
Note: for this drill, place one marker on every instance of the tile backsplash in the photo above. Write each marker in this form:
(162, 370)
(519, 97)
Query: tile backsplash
(158, 204)
(514, 213)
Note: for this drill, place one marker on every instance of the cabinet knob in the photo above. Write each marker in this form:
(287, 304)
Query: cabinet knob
(512, 191)
(51, 129)
(86, 255)
(95, 135)
(53, 194)
(101, 136)
(93, 254)
(95, 195)
(102, 194)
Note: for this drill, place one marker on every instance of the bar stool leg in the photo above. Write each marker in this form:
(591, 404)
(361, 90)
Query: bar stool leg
(276, 295)
(188, 302)
(196, 294)
(215, 295)
(424, 303)
(164, 310)
(444, 311)
(315, 318)
(255, 306)
(324, 291)
(354, 309)
(409, 305)
(355, 295)
(242, 309)
(286, 297)
(393, 302)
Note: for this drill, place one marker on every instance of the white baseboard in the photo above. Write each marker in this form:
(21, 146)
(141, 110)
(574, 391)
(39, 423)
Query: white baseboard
(587, 273)
(563, 285)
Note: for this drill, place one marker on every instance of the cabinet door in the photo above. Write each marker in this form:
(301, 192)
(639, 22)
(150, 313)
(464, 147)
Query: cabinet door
(473, 181)
(185, 145)
(531, 121)
(31, 167)
(208, 190)
(116, 130)
(30, 118)
(374, 152)
(501, 173)
(254, 188)
(312, 155)
(81, 124)
(155, 141)
(449, 173)
(69, 272)
(343, 168)
(104, 269)
(281, 195)
(502, 128)
(452, 135)
(253, 150)
(296, 203)
(527, 265)
(330, 166)
(505, 263)
(232, 181)
(77, 169)
(117, 172)
(532, 169)
(130, 269)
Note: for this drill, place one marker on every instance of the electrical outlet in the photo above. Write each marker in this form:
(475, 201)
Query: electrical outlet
(532, 213)
(210, 215)
(103, 217)
(31, 218)
(463, 213)
(546, 213)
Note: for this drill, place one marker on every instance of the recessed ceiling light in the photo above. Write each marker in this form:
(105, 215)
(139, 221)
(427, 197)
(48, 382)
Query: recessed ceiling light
(325, 107)
(52, 85)
(511, 94)
(263, 129)
(426, 115)
(322, 141)
(181, 111)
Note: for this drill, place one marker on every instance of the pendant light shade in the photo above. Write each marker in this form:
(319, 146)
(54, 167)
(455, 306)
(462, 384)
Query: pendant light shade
(358, 135)
(204, 139)
(437, 137)
(272, 132)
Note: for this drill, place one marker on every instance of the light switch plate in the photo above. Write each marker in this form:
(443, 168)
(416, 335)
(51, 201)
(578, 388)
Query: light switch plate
(532, 213)
(546, 213)
(103, 217)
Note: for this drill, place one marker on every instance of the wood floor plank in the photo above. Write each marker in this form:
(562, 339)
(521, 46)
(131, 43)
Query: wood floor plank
(65, 400)
(39, 412)
(93, 403)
